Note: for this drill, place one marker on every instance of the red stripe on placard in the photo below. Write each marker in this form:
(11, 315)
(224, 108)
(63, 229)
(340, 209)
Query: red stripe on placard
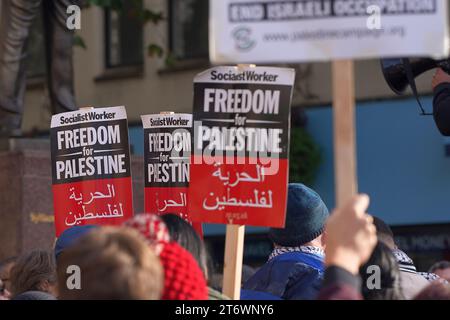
(173, 200)
(238, 192)
(100, 202)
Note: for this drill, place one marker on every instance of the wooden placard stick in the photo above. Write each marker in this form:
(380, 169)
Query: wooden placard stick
(344, 130)
(232, 263)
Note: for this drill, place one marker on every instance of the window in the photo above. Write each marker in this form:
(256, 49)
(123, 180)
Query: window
(189, 28)
(123, 35)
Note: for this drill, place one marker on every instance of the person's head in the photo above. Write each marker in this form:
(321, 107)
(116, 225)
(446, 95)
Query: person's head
(5, 272)
(184, 234)
(437, 290)
(115, 264)
(34, 271)
(381, 275)
(183, 278)
(34, 295)
(306, 214)
(442, 269)
(70, 236)
(152, 228)
(384, 233)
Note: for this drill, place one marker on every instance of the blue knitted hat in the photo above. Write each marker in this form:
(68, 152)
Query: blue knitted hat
(305, 217)
(70, 236)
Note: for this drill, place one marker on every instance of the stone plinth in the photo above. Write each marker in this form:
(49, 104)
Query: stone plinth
(26, 200)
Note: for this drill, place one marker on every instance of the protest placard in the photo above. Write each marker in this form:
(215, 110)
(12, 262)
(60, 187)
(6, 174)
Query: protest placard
(241, 143)
(262, 31)
(91, 167)
(167, 153)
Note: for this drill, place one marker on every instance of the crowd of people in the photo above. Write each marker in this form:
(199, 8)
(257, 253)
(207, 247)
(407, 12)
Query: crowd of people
(347, 254)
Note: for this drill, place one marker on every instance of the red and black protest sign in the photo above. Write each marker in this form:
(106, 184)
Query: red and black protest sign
(167, 155)
(239, 166)
(91, 167)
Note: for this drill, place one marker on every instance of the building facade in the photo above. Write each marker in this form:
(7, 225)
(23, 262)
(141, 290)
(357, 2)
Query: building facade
(403, 162)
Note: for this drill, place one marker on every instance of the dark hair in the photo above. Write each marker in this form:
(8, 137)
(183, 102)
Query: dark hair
(389, 277)
(384, 232)
(184, 234)
(32, 272)
(439, 266)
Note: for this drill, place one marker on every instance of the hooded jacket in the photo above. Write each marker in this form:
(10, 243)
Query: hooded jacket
(289, 276)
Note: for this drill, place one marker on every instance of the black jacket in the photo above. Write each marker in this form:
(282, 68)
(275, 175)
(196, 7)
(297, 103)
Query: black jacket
(441, 108)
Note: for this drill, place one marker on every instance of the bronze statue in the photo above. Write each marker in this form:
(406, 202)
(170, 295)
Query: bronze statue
(16, 20)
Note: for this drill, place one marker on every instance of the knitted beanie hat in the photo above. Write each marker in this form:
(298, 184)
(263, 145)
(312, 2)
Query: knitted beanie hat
(305, 217)
(152, 228)
(183, 278)
(70, 236)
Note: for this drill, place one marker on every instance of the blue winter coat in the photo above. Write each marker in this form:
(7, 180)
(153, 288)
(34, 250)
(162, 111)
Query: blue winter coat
(289, 276)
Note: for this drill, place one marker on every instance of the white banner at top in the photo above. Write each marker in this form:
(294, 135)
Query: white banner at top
(274, 31)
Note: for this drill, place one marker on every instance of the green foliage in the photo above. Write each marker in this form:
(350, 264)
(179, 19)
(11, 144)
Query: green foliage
(79, 42)
(155, 50)
(304, 157)
(110, 4)
(150, 16)
(170, 59)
